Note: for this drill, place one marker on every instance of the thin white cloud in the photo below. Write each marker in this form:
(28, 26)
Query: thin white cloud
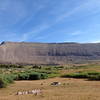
(19, 11)
(29, 18)
(76, 33)
(88, 7)
(37, 7)
(34, 32)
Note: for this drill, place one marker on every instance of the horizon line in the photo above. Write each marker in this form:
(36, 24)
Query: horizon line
(69, 42)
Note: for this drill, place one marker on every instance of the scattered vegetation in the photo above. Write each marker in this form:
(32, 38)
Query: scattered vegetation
(10, 66)
(89, 75)
(10, 73)
(9, 78)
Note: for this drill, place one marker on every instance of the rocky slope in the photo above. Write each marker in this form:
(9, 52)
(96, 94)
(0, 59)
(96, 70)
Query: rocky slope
(48, 53)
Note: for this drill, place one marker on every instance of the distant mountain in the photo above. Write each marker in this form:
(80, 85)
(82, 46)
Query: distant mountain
(48, 53)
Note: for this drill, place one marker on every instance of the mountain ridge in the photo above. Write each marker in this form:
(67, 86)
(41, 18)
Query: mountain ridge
(48, 53)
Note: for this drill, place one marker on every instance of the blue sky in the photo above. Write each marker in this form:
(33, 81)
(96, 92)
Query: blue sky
(50, 20)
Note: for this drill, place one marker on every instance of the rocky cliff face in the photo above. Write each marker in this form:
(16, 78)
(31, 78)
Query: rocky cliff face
(48, 53)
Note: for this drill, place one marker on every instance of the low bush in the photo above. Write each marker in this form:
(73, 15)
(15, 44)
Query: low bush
(9, 78)
(10, 66)
(31, 76)
(76, 75)
(2, 83)
(89, 75)
(9, 74)
(94, 77)
(6, 79)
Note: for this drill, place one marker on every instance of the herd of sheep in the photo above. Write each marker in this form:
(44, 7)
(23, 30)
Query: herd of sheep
(35, 91)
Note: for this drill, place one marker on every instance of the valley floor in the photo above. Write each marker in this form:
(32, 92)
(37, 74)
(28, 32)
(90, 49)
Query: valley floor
(70, 89)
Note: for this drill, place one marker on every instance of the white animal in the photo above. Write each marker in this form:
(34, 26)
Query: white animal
(19, 93)
(35, 92)
(26, 92)
(56, 83)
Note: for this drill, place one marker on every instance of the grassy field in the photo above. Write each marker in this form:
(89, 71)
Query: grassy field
(70, 88)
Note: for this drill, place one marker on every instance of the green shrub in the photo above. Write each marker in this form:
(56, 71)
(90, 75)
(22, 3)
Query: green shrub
(34, 76)
(9, 78)
(44, 76)
(5, 80)
(22, 76)
(31, 76)
(2, 83)
(89, 75)
(37, 76)
(77, 75)
(10, 66)
(94, 77)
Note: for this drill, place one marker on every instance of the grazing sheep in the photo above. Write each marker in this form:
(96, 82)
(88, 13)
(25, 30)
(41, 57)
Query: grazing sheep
(19, 93)
(26, 92)
(29, 92)
(56, 83)
(35, 92)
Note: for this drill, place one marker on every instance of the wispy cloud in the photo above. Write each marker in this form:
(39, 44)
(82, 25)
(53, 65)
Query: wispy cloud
(37, 7)
(76, 33)
(87, 7)
(16, 12)
(31, 34)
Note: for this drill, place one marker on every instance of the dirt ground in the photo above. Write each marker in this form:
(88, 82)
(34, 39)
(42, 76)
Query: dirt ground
(70, 89)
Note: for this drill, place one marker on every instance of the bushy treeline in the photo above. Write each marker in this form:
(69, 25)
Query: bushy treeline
(31, 76)
(10, 66)
(6, 79)
(10, 73)
(89, 75)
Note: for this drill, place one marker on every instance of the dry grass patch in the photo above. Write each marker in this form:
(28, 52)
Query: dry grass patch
(71, 89)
